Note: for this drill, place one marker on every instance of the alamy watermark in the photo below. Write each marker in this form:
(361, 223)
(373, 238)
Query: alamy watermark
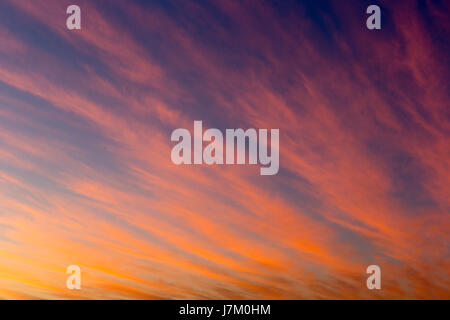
(73, 281)
(374, 281)
(235, 142)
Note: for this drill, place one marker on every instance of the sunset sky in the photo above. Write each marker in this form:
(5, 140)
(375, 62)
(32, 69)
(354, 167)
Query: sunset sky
(86, 176)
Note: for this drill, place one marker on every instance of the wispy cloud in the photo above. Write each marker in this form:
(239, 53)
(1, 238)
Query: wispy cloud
(86, 176)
